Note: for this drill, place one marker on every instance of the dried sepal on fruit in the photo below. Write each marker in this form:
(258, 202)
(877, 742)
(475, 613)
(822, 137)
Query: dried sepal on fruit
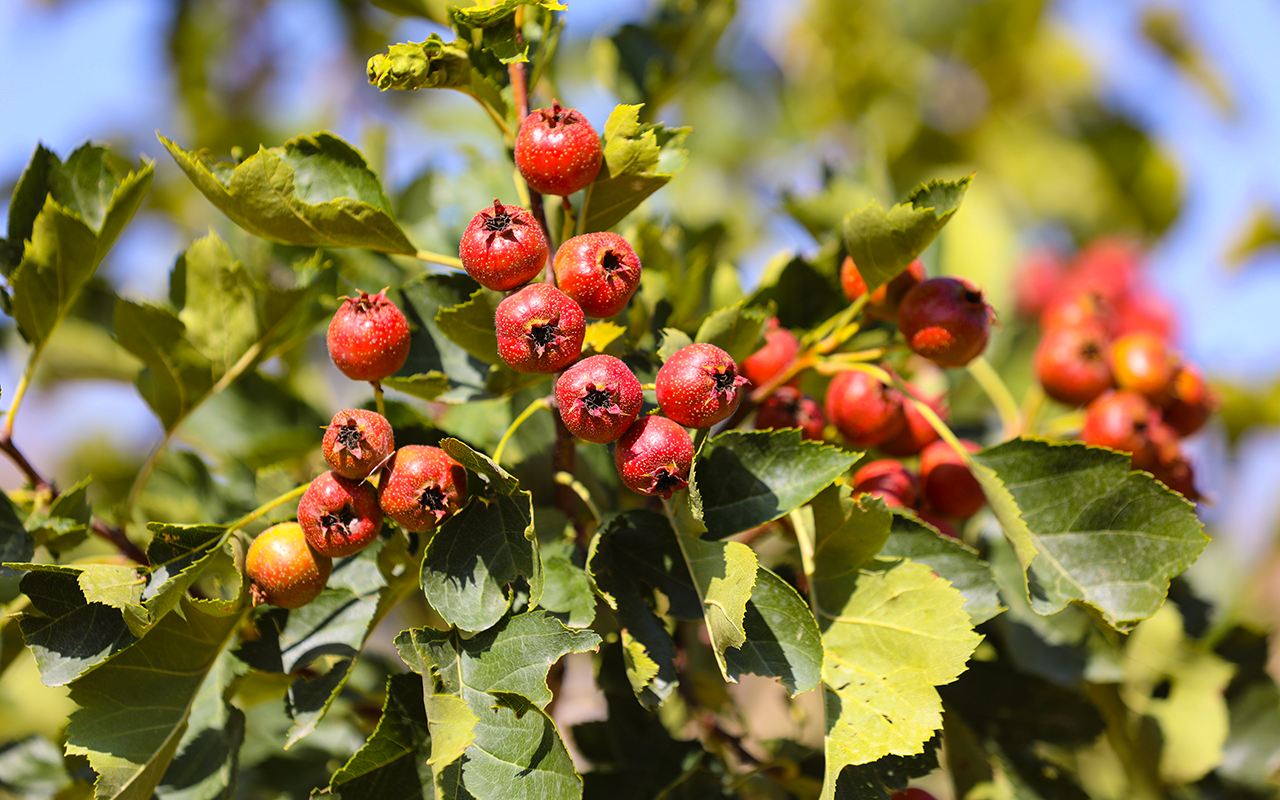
(368, 337)
(357, 442)
(421, 486)
(699, 385)
(339, 516)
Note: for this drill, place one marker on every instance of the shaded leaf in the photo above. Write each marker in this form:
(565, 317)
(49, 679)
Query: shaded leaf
(735, 329)
(437, 366)
(566, 589)
(480, 464)
(639, 159)
(882, 243)
(471, 325)
(33, 768)
(16, 544)
(783, 640)
(67, 634)
(206, 765)
(953, 560)
(392, 764)
(879, 779)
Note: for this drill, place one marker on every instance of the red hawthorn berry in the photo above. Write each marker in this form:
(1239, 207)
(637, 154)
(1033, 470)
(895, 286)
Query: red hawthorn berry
(368, 337)
(885, 300)
(946, 320)
(282, 568)
(912, 793)
(943, 523)
(420, 486)
(1122, 421)
(1142, 363)
(780, 348)
(654, 457)
(1037, 282)
(600, 271)
(599, 398)
(949, 486)
(788, 407)
(503, 247)
(540, 329)
(887, 479)
(1107, 267)
(1144, 311)
(557, 150)
(917, 433)
(866, 411)
(1191, 401)
(357, 442)
(699, 385)
(1074, 310)
(1071, 363)
(339, 516)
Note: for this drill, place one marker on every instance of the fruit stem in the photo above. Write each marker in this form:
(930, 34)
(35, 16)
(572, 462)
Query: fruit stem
(565, 479)
(18, 394)
(1031, 403)
(926, 411)
(269, 505)
(1006, 406)
(541, 402)
(438, 258)
(377, 398)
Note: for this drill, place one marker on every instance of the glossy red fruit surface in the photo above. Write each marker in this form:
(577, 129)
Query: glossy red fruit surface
(421, 486)
(1142, 363)
(946, 320)
(654, 457)
(699, 386)
(540, 329)
(788, 407)
(339, 516)
(780, 348)
(600, 271)
(917, 433)
(866, 411)
(1038, 282)
(599, 398)
(557, 150)
(503, 247)
(357, 442)
(1071, 363)
(889, 480)
(886, 299)
(1191, 401)
(1122, 421)
(949, 486)
(368, 337)
(283, 569)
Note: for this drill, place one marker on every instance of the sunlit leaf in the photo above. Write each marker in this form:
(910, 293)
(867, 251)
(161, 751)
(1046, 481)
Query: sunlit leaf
(639, 159)
(882, 243)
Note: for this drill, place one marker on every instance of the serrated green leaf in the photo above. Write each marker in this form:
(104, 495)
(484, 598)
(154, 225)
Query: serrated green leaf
(28, 199)
(33, 768)
(206, 765)
(470, 324)
(134, 709)
(734, 329)
(480, 464)
(748, 478)
(177, 554)
(67, 635)
(393, 762)
(783, 640)
(600, 334)
(953, 560)
(214, 295)
(673, 339)
(1086, 529)
(492, 27)
(639, 159)
(566, 587)
(16, 545)
(880, 779)
(177, 376)
(437, 366)
(475, 554)
(429, 64)
(803, 295)
(882, 243)
(315, 191)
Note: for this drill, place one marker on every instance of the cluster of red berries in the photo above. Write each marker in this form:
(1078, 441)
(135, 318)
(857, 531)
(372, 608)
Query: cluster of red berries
(342, 510)
(1106, 345)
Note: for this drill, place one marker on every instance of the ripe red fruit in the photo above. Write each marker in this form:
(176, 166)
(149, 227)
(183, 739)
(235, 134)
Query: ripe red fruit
(1037, 282)
(780, 348)
(866, 411)
(788, 407)
(540, 329)
(1073, 310)
(420, 486)
(368, 337)
(886, 299)
(1142, 363)
(912, 794)
(1122, 421)
(357, 442)
(917, 433)
(599, 398)
(1145, 311)
(946, 320)
(887, 479)
(503, 247)
(283, 570)
(557, 150)
(600, 271)
(1192, 401)
(949, 486)
(943, 523)
(654, 457)
(699, 385)
(1107, 267)
(1072, 365)
(339, 516)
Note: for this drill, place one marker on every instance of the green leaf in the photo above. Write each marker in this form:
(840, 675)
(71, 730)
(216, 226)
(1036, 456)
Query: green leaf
(950, 559)
(178, 554)
(802, 293)
(16, 545)
(475, 554)
(206, 765)
(438, 367)
(881, 778)
(673, 339)
(33, 768)
(783, 640)
(566, 589)
(481, 464)
(83, 205)
(735, 329)
(134, 709)
(68, 635)
(639, 159)
(600, 334)
(470, 324)
(393, 762)
(748, 478)
(316, 191)
(177, 376)
(25, 205)
(1087, 529)
(492, 27)
(882, 243)
(1251, 754)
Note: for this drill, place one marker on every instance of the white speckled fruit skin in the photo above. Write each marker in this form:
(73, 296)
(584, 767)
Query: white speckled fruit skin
(285, 570)
(413, 468)
(559, 159)
(580, 273)
(368, 338)
(330, 493)
(686, 387)
(600, 371)
(378, 442)
(498, 262)
(650, 444)
(539, 303)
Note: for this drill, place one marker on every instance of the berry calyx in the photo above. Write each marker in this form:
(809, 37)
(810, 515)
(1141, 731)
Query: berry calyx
(885, 300)
(357, 442)
(1071, 363)
(368, 337)
(540, 329)
(600, 271)
(864, 410)
(699, 385)
(1122, 421)
(599, 398)
(1142, 363)
(282, 568)
(949, 486)
(946, 320)
(339, 516)
(887, 479)
(654, 457)
(557, 151)
(788, 407)
(421, 486)
(503, 247)
(780, 348)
